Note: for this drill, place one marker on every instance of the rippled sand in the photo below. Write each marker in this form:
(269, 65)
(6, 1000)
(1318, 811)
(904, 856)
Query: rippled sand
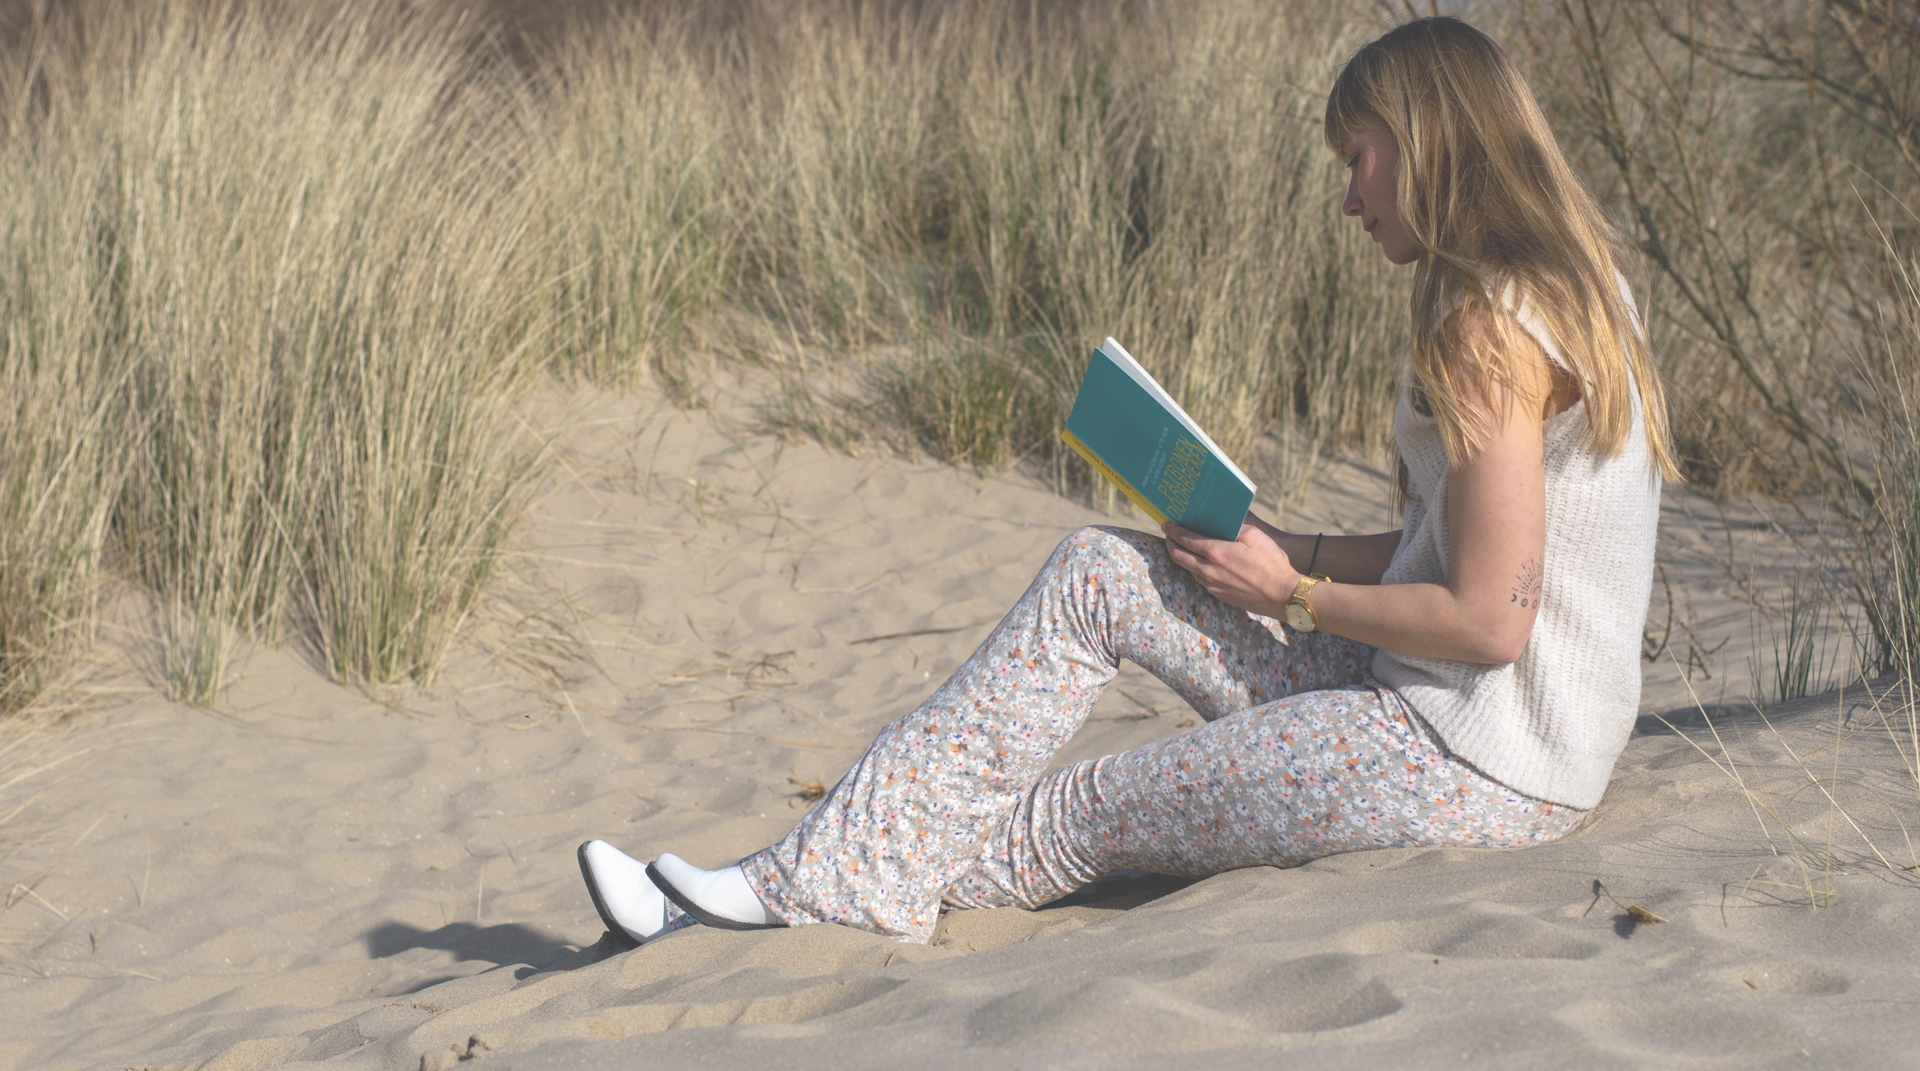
(306, 874)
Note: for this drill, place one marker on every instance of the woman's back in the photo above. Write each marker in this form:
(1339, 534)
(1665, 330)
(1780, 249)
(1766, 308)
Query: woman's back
(1551, 723)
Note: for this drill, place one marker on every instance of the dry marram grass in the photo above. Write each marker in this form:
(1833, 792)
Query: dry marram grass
(276, 274)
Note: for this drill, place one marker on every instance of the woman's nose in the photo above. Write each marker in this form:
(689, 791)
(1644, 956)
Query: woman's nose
(1352, 205)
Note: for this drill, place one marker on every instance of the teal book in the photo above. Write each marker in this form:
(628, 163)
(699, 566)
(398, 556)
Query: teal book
(1137, 436)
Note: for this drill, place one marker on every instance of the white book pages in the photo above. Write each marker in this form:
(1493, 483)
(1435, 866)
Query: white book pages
(1132, 368)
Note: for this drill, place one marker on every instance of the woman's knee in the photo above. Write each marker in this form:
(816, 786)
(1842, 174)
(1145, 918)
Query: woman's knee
(1102, 546)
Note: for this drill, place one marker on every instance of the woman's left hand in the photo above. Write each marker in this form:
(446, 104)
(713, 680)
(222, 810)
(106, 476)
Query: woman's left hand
(1250, 572)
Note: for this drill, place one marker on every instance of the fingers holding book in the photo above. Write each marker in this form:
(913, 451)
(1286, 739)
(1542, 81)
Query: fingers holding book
(1250, 572)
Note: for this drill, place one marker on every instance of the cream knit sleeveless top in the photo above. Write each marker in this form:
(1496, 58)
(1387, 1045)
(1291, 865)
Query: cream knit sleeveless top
(1551, 724)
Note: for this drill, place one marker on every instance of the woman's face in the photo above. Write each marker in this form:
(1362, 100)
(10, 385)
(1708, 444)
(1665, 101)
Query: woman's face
(1373, 167)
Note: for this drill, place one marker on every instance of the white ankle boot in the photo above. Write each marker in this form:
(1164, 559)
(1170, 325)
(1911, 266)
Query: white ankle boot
(628, 902)
(632, 897)
(719, 898)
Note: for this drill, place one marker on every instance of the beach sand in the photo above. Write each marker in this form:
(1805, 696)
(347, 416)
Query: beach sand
(308, 874)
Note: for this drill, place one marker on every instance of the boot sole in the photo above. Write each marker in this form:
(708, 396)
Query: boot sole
(701, 914)
(620, 935)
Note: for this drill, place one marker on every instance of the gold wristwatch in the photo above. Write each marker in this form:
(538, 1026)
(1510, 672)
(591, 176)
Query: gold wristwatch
(1300, 612)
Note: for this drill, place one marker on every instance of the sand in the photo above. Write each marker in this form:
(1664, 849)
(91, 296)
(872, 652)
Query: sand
(309, 874)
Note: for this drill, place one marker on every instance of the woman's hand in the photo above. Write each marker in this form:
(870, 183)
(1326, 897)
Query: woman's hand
(1273, 532)
(1250, 572)
(1484, 611)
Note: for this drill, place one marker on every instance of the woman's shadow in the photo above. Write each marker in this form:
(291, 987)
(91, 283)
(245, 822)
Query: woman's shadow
(532, 951)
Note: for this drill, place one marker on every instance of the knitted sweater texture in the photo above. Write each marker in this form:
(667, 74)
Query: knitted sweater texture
(1551, 724)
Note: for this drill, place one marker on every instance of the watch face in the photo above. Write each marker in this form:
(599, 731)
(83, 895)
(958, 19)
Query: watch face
(1299, 618)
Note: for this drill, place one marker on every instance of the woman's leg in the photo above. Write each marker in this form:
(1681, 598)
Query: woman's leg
(911, 816)
(1319, 773)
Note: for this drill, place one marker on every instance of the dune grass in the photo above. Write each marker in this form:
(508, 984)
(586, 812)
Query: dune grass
(333, 318)
(61, 424)
(1038, 179)
(630, 207)
(272, 260)
(277, 273)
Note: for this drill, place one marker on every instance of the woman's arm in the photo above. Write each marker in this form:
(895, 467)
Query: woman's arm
(1496, 518)
(1346, 559)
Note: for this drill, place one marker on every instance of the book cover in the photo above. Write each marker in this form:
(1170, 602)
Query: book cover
(1137, 436)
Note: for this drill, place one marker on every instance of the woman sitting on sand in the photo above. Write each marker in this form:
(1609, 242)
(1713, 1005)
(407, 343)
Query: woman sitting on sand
(1465, 682)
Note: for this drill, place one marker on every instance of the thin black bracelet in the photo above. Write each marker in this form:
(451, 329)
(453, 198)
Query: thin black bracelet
(1316, 553)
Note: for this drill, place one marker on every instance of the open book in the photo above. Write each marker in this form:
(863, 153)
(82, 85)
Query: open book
(1138, 437)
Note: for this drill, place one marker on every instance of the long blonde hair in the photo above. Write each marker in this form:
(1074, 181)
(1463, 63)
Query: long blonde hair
(1494, 207)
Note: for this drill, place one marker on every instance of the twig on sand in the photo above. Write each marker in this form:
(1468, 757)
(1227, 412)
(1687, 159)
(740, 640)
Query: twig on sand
(140, 890)
(134, 973)
(1638, 914)
(576, 713)
(89, 832)
(913, 632)
(28, 893)
(803, 743)
(759, 736)
(44, 973)
(854, 590)
(752, 672)
(810, 791)
(533, 725)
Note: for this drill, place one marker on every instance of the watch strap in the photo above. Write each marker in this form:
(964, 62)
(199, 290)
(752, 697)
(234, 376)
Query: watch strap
(1300, 593)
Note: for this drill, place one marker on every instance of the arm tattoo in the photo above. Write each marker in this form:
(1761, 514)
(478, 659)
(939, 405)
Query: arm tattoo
(1526, 588)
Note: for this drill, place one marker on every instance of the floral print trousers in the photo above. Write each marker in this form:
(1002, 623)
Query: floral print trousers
(1302, 755)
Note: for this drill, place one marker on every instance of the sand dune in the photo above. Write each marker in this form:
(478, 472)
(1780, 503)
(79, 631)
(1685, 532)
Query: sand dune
(308, 875)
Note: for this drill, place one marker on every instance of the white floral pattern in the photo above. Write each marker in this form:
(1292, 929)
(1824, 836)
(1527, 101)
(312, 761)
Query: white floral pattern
(1302, 755)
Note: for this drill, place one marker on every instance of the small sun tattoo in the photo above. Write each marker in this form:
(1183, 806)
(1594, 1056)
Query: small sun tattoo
(1527, 591)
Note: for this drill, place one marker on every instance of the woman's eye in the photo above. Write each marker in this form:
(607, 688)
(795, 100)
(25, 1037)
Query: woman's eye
(1353, 160)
